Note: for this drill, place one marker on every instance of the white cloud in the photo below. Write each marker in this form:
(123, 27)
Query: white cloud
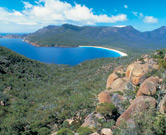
(55, 12)
(135, 13)
(125, 6)
(27, 5)
(145, 19)
(150, 19)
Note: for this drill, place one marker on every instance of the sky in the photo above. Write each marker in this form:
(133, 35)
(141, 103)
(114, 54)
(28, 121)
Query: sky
(26, 16)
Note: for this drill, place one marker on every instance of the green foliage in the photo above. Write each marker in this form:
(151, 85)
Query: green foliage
(65, 131)
(106, 108)
(162, 63)
(119, 92)
(160, 57)
(38, 96)
(130, 94)
(142, 60)
(160, 124)
(106, 124)
(84, 131)
(73, 36)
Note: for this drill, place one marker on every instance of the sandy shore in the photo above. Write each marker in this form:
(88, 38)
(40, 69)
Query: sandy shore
(121, 53)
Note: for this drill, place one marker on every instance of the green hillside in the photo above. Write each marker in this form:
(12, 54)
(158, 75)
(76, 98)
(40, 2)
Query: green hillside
(114, 37)
(37, 98)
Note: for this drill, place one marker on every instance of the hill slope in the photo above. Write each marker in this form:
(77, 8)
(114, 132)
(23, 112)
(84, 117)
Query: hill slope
(37, 98)
(125, 37)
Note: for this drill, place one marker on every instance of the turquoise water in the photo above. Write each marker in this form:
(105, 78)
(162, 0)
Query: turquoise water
(57, 55)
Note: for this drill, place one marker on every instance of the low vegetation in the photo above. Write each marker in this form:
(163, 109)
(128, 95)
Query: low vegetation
(39, 97)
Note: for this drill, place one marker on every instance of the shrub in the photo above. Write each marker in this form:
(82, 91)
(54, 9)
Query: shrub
(119, 92)
(44, 131)
(65, 131)
(106, 108)
(162, 63)
(84, 131)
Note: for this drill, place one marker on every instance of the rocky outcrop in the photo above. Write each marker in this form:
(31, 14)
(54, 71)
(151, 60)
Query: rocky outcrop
(162, 105)
(91, 120)
(110, 80)
(149, 86)
(118, 85)
(120, 70)
(138, 105)
(104, 97)
(129, 70)
(106, 131)
(136, 70)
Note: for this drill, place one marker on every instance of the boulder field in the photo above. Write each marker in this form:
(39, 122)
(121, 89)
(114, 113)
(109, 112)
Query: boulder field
(130, 91)
(140, 104)
(143, 87)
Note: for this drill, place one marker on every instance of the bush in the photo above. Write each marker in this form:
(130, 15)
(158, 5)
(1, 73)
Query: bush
(65, 131)
(44, 131)
(106, 108)
(84, 131)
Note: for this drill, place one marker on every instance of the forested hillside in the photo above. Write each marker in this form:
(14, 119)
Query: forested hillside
(120, 37)
(37, 98)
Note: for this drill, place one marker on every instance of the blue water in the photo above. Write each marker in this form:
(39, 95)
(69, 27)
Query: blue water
(57, 55)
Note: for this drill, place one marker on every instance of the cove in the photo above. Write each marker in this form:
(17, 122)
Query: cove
(58, 55)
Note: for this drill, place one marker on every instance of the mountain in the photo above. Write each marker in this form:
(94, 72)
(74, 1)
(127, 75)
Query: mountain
(121, 37)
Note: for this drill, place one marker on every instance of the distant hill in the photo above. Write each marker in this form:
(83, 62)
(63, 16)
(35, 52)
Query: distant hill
(70, 35)
(13, 36)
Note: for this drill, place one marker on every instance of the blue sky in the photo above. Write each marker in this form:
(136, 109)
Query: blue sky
(21, 16)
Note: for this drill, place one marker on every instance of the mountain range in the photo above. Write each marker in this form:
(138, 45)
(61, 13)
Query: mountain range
(69, 35)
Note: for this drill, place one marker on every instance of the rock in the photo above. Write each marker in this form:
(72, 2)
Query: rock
(155, 66)
(54, 133)
(149, 86)
(90, 121)
(106, 131)
(98, 115)
(94, 133)
(104, 97)
(118, 85)
(120, 70)
(110, 79)
(117, 100)
(136, 71)
(129, 70)
(162, 105)
(138, 105)
(2, 103)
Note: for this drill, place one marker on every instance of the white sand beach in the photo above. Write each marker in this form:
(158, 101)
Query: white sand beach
(121, 53)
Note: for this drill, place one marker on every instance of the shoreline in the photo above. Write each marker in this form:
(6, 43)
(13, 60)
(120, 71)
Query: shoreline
(121, 53)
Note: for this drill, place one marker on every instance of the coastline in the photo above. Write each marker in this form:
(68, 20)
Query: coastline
(121, 53)
(34, 44)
